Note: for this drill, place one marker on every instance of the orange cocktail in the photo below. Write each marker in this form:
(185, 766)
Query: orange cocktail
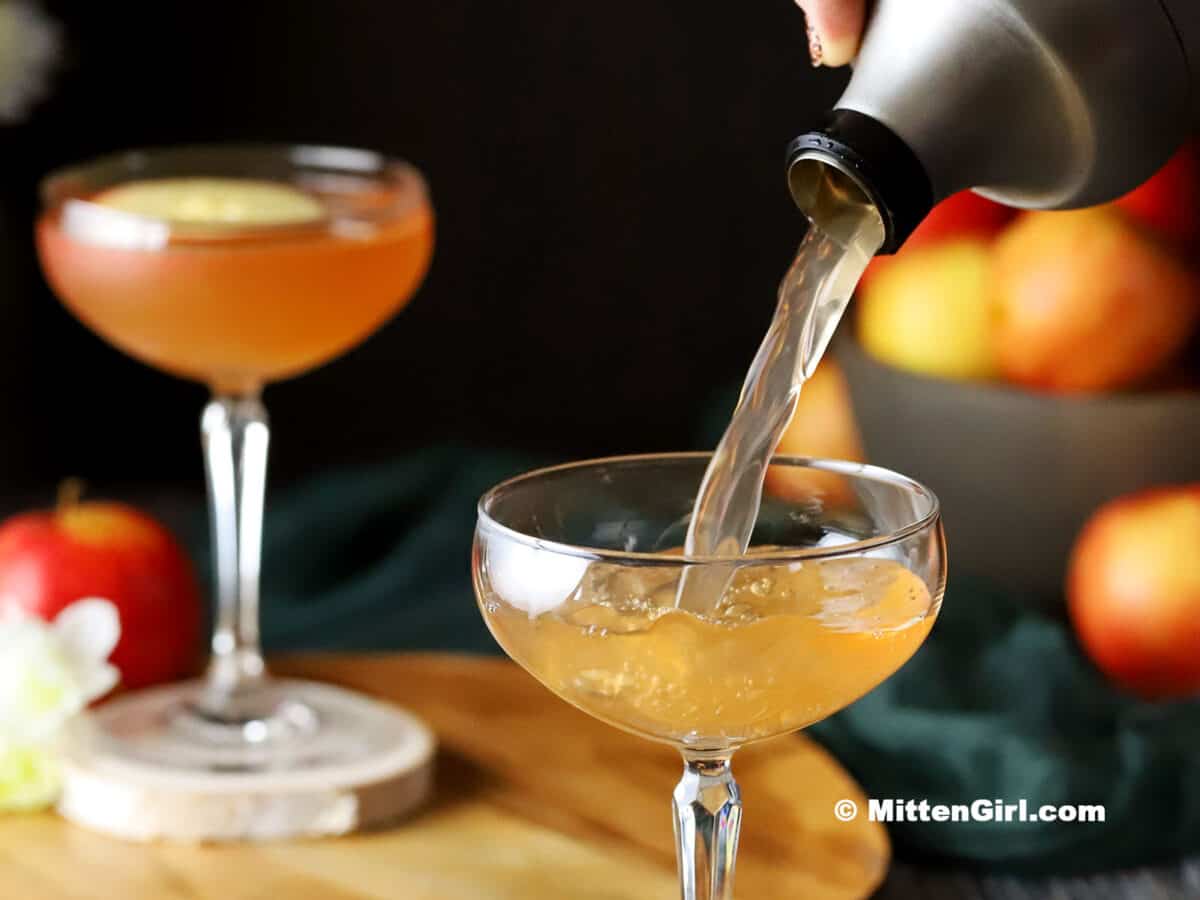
(237, 306)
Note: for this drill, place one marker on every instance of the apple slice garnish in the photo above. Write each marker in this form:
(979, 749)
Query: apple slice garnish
(214, 201)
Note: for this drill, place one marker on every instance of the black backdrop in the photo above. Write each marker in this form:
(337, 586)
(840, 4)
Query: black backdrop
(612, 218)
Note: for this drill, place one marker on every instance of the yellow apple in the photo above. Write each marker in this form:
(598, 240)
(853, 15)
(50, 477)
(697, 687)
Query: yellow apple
(930, 311)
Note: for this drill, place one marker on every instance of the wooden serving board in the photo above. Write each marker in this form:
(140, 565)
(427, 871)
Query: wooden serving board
(534, 801)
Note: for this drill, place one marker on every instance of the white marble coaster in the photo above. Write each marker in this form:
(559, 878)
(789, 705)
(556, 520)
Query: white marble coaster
(128, 774)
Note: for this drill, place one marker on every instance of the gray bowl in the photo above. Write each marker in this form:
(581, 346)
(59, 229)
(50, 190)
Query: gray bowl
(1018, 473)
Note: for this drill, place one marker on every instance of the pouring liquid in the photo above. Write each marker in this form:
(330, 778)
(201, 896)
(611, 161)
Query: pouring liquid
(844, 234)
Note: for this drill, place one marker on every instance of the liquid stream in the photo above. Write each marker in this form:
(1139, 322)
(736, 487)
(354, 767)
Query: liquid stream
(845, 233)
(713, 657)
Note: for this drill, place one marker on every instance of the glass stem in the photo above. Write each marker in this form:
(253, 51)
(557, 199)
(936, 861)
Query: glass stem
(708, 816)
(235, 433)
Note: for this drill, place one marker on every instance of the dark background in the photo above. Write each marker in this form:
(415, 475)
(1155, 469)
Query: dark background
(612, 219)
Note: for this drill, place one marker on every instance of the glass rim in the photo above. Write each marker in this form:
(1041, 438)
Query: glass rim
(848, 469)
(54, 187)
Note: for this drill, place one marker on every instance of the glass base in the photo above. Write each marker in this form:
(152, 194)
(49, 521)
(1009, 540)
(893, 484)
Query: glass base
(285, 728)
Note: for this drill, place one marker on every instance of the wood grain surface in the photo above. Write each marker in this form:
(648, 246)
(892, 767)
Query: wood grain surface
(534, 800)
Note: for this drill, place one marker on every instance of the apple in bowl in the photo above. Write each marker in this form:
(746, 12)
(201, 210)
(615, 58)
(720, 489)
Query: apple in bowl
(1084, 302)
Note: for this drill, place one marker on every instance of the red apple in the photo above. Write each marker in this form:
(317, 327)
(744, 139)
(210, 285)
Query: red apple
(1085, 302)
(50, 559)
(959, 216)
(1168, 203)
(1133, 590)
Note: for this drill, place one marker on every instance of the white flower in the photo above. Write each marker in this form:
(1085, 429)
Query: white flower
(30, 777)
(29, 46)
(51, 671)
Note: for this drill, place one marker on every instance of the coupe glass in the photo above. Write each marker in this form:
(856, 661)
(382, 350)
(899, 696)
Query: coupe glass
(236, 306)
(577, 570)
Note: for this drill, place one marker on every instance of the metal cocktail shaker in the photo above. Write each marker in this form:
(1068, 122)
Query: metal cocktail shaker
(1034, 103)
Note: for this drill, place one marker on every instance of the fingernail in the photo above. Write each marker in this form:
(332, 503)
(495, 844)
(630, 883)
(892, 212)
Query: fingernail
(838, 52)
(815, 51)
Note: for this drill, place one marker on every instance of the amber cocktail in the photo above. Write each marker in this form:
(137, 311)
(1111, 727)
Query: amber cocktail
(245, 301)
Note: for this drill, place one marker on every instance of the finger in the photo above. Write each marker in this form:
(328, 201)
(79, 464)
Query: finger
(834, 29)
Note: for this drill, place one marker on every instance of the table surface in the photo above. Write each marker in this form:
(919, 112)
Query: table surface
(534, 800)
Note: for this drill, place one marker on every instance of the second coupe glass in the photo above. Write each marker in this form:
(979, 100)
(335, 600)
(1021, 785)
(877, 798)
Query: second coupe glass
(237, 266)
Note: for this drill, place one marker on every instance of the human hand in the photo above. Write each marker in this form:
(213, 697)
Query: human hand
(834, 29)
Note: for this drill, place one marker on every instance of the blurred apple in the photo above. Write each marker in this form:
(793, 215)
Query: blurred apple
(50, 559)
(1084, 302)
(930, 311)
(822, 426)
(1133, 590)
(1168, 204)
(961, 215)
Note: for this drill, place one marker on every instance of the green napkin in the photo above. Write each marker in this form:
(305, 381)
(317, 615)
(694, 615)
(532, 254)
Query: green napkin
(999, 703)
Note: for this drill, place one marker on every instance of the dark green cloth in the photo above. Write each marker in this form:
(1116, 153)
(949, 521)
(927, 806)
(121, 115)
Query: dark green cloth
(999, 703)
